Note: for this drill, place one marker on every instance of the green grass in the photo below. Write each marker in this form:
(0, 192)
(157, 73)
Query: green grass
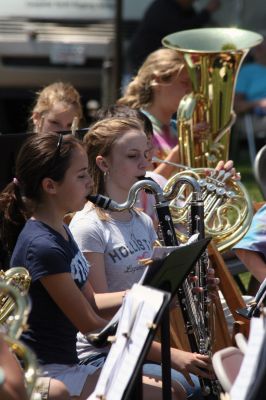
(245, 277)
(243, 165)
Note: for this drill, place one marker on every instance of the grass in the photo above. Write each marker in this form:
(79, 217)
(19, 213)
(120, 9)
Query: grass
(245, 278)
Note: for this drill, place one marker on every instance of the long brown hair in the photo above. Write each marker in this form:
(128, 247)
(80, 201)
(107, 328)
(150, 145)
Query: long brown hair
(99, 141)
(164, 64)
(44, 155)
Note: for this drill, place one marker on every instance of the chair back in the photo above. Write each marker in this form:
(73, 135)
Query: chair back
(260, 168)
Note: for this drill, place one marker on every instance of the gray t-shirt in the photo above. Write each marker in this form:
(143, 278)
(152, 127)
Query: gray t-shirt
(121, 243)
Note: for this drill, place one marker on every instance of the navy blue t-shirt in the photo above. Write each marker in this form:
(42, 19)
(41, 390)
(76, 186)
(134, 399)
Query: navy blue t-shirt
(43, 251)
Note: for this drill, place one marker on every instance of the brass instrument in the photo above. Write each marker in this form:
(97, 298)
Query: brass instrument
(228, 208)
(15, 308)
(213, 57)
(17, 277)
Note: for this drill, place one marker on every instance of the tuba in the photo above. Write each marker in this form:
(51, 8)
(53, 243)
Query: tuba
(213, 57)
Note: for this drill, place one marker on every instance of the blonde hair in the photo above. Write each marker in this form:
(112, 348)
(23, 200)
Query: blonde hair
(164, 64)
(57, 92)
(99, 140)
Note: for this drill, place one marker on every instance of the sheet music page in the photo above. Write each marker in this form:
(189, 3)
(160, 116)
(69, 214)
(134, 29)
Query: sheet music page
(250, 361)
(139, 309)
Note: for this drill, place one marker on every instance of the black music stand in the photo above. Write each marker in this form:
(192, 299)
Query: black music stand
(169, 273)
(166, 274)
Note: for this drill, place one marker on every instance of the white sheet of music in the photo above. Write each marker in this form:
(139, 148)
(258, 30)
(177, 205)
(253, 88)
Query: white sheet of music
(249, 364)
(139, 309)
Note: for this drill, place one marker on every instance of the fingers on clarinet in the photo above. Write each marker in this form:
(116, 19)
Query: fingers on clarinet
(193, 278)
(198, 289)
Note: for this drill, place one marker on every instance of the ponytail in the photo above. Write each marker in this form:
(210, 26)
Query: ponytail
(13, 215)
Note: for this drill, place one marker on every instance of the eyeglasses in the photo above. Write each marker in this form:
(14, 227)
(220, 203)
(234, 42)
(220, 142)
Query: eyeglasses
(58, 149)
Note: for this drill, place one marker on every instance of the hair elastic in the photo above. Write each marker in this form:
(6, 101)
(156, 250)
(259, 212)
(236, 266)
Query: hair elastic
(15, 181)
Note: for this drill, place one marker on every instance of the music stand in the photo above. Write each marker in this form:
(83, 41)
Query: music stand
(168, 274)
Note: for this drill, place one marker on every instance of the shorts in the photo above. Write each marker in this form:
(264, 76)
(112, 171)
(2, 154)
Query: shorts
(73, 376)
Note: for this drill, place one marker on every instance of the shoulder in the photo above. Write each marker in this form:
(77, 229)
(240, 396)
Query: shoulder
(37, 234)
(89, 231)
(84, 221)
(255, 237)
(260, 217)
(161, 180)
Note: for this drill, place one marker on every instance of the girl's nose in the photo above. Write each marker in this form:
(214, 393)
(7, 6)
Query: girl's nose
(145, 162)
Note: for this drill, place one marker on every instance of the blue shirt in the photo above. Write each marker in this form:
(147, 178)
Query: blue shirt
(43, 251)
(251, 81)
(255, 238)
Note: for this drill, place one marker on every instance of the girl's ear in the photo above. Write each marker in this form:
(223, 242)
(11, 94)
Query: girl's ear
(155, 81)
(102, 163)
(49, 186)
(37, 120)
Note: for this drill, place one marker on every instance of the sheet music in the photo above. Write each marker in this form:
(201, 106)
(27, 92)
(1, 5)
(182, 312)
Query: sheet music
(249, 364)
(139, 309)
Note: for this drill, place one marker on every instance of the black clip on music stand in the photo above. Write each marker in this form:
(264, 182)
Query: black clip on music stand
(166, 274)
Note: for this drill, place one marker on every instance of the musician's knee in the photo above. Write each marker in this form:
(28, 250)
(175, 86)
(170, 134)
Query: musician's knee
(152, 389)
(58, 391)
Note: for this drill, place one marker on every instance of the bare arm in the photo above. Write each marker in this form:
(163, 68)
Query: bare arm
(13, 387)
(72, 302)
(167, 170)
(106, 302)
(254, 263)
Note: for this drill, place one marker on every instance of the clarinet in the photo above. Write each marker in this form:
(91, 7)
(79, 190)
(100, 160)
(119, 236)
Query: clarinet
(196, 318)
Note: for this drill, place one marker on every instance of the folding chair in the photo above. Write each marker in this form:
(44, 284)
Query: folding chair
(260, 169)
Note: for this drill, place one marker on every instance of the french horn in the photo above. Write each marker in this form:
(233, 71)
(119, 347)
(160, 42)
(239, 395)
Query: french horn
(14, 311)
(228, 208)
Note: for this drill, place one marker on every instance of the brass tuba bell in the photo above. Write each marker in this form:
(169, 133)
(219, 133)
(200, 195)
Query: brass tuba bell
(213, 57)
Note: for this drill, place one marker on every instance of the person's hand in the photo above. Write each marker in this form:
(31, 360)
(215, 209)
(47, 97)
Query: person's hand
(192, 363)
(227, 166)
